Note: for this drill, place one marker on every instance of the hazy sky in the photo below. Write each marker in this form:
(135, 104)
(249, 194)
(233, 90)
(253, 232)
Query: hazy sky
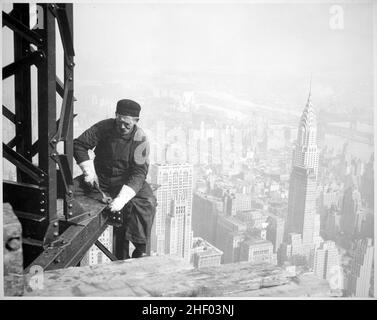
(278, 45)
(272, 38)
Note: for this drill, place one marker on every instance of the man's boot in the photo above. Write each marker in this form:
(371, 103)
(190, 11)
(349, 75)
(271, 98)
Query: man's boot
(140, 250)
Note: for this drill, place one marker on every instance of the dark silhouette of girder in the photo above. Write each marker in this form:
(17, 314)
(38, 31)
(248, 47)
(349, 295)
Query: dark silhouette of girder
(49, 239)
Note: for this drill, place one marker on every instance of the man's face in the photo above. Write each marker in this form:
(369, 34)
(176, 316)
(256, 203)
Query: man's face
(125, 124)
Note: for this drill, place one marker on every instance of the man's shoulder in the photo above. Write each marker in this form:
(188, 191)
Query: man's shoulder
(139, 134)
(106, 124)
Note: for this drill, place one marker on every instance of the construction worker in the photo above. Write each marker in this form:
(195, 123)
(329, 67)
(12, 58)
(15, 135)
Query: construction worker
(120, 168)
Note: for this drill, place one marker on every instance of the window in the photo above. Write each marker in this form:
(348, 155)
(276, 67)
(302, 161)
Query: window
(175, 178)
(99, 257)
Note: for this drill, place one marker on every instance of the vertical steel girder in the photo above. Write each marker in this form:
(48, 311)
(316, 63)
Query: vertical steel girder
(50, 130)
(68, 73)
(47, 115)
(64, 16)
(34, 195)
(22, 87)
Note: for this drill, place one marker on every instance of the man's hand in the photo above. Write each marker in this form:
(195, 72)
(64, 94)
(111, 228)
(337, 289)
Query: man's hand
(125, 195)
(90, 176)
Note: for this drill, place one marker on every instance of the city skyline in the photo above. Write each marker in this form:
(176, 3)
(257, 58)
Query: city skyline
(260, 126)
(238, 150)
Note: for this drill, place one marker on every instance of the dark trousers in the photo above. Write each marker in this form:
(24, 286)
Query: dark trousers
(121, 246)
(138, 216)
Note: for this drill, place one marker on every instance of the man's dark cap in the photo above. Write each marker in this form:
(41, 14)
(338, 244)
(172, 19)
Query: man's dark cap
(127, 107)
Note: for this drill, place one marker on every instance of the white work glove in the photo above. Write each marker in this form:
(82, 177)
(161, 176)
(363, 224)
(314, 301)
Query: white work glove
(90, 176)
(125, 195)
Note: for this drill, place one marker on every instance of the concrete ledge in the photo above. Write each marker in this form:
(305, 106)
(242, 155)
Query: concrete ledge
(166, 276)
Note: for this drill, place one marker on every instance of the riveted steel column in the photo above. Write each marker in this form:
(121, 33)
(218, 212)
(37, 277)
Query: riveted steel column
(69, 76)
(47, 115)
(22, 86)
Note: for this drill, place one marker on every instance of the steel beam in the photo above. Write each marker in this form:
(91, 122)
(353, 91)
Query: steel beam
(47, 114)
(60, 88)
(67, 128)
(27, 61)
(22, 88)
(66, 175)
(23, 164)
(50, 241)
(12, 143)
(25, 197)
(9, 114)
(59, 83)
(66, 111)
(35, 146)
(65, 26)
(71, 246)
(108, 254)
(21, 29)
(29, 204)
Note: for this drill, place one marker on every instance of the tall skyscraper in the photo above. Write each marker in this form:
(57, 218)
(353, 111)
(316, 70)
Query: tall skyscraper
(350, 206)
(214, 147)
(365, 223)
(292, 250)
(302, 203)
(367, 183)
(332, 223)
(359, 275)
(330, 195)
(305, 153)
(302, 216)
(171, 231)
(229, 235)
(206, 210)
(326, 263)
(226, 149)
(178, 233)
(275, 231)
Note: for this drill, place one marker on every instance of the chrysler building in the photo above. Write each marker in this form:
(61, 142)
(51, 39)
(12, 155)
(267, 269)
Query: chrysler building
(302, 217)
(305, 153)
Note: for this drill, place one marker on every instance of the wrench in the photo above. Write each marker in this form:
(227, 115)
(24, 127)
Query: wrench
(105, 198)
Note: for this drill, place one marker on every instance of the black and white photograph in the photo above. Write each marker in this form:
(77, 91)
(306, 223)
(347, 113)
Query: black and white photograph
(189, 150)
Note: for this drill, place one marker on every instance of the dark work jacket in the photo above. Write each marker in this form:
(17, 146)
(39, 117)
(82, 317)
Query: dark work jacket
(121, 160)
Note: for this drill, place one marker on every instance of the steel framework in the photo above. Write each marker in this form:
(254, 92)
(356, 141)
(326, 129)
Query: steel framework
(49, 240)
